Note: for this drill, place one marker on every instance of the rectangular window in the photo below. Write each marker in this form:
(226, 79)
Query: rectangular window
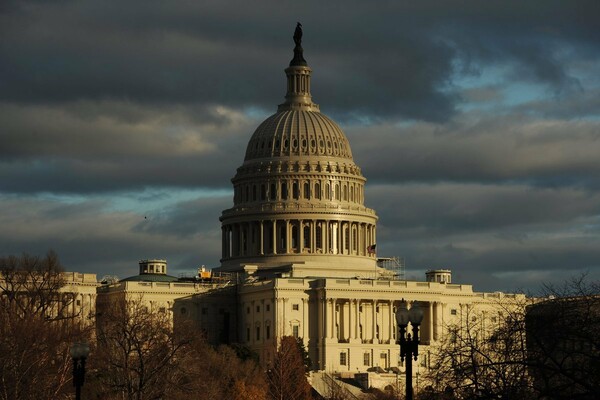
(78, 302)
(343, 358)
(268, 331)
(247, 310)
(319, 237)
(295, 307)
(367, 359)
(296, 331)
(453, 311)
(247, 334)
(257, 308)
(268, 307)
(258, 333)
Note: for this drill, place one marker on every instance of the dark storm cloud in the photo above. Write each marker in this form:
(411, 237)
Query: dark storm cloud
(424, 210)
(384, 60)
(502, 237)
(100, 146)
(482, 148)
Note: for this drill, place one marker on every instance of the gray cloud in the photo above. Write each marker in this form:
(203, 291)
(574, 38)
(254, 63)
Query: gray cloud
(498, 236)
(476, 148)
(90, 147)
(390, 60)
(90, 237)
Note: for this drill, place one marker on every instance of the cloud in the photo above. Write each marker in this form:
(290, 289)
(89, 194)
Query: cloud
(388, 60)
(488, 233)
(481, 148)
(99, 146)
(91, 237)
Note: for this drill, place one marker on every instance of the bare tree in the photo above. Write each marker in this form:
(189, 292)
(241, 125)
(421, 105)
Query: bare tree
(287, 378)
(36, 330)
(483, 359)
(563, 339)
(137, 351)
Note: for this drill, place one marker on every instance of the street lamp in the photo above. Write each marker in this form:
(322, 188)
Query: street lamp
(409, 344)
(79, 352)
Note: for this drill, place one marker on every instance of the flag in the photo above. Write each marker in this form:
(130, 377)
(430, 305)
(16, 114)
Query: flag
(371, 249)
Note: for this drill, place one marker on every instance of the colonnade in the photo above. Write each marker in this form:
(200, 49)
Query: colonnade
(372, 320)
(296, 236)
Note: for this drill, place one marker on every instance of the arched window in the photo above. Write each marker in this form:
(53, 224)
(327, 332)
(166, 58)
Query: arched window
(247, 197)
(284, 191)
(253, 192)
(318, 191)
(295, 190)
(352, 193)
(306, 190)
(337, 191)
(273, 191)
(345, 192)
(327, 192)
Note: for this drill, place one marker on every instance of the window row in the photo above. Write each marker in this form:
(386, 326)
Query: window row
(296, 190)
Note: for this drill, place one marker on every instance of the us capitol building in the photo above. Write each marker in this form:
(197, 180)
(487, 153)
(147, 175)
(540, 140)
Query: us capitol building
(302, 242)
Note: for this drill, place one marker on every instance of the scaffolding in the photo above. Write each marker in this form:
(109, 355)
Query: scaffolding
(396, 265)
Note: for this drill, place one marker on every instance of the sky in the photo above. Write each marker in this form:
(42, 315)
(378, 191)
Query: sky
(476, 124)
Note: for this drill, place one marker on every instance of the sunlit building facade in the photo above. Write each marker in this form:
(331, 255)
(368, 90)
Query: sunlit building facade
(300, 234)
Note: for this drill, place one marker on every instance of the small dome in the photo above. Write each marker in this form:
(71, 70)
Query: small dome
(298, 133)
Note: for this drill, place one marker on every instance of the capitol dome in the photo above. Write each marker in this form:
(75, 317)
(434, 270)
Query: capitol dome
(298, 133)
(299, 196)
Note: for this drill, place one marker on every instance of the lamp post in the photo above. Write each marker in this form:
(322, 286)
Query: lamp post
(409, 343)
(79, 352)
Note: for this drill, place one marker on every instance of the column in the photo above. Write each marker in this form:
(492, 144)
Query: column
(350, 320)
(357, 319)
(313, 236)
(324, 322)
(274, 236)
(333, 320)
(334, 238)
(430, 321)
(326, 249)
(300, 236)
(374, 321)
(392, 317)
(262, 238)
(287, 236)
(305, 333)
